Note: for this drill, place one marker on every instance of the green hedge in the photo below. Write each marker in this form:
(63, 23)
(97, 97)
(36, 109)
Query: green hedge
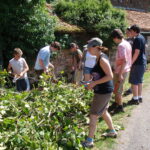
(96, 16)
(51, 119)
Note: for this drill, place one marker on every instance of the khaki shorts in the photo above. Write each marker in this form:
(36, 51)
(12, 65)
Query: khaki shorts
(78, 76)
(118, 89)
(100, 104)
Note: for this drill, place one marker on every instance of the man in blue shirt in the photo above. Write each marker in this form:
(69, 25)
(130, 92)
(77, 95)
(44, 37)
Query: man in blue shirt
(43, 58)
(138, 64)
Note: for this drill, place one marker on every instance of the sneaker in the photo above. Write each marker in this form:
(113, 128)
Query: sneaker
(128, 92)
(140, 100)
(112, 107)
(133, 102)
(119, 109)
(112, 134)
(87, 144)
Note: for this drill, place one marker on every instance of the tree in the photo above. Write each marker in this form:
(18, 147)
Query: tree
(25, 24)
(96, 16)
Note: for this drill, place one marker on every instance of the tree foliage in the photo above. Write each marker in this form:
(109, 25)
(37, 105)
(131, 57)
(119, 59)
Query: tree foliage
(25, 24)
(97, 16)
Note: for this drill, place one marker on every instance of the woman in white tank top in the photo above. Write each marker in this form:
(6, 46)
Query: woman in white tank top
(89, 63)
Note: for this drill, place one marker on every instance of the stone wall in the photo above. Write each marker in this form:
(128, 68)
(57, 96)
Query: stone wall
(135, 4)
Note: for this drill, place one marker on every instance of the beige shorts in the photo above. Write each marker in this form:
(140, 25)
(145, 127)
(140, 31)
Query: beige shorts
(118, 86)
(100, 104)
(78, 76)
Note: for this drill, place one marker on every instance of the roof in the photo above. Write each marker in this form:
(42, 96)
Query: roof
(63, 26)
(142, 19)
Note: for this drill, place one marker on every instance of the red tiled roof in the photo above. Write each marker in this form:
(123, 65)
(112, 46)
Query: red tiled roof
(140, 18)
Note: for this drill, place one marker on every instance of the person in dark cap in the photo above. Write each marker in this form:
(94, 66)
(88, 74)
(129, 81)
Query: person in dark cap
(103, 87)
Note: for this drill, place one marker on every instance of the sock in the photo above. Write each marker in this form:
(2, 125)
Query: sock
(139, 96)
(89, 139)
(135, 97)
(113, 130)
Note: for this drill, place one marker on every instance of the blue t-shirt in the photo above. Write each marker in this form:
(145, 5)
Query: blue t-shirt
(139, 43)
(44, 54)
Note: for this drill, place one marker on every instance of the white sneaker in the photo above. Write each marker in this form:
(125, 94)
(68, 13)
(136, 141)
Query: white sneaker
(112, 134)
(88, 144)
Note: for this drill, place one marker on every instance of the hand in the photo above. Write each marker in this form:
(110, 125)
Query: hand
(121, 78)
(73, 68)
(91, 85)
(51, 66)
(21, 74)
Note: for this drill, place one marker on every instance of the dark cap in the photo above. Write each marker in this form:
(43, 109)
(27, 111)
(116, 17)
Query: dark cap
(94, 42)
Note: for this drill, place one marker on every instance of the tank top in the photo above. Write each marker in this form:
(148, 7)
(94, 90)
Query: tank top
(97, 74)
(90, 60)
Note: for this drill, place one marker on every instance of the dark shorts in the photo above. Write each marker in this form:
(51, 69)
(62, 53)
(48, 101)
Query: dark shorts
(87, 70)
(136, 74)
(21, 85)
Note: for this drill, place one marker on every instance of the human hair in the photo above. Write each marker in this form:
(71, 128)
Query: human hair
(117, 33)
(56, 45)
(18, 51)
(135, 28)
(73, 45)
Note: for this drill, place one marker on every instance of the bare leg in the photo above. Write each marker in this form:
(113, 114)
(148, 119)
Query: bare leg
(106, 116)
(118, 99)
(140, 89)
(87, 77)
(135, 90)
(92, 126)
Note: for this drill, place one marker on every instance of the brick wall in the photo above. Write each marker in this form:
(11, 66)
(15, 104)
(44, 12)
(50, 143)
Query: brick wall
(136, 4)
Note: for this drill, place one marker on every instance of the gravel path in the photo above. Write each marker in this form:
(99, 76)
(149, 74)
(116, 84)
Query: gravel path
(136, 135)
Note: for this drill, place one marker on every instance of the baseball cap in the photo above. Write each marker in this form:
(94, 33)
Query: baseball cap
(94, 42)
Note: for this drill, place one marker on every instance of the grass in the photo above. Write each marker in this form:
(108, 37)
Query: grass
(118, 119)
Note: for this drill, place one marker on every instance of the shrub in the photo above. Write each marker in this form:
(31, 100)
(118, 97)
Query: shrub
(96, 16)
(53, 118)
(25, 24)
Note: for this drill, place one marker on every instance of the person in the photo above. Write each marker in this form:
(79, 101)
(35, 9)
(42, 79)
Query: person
(130, 39)
(89, 63)
(103, 88)
(42, 63)
(122, 67)
(19, 70)
(138, 65)
(76, 63)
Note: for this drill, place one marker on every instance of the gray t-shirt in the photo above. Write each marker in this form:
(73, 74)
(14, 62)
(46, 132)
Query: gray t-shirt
(18, 66)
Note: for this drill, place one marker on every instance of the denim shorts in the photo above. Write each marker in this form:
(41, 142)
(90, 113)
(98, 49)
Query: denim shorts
(87, 70)
(136, 74)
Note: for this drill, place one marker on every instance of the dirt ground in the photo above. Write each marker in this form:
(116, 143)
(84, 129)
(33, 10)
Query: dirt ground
(136, 135)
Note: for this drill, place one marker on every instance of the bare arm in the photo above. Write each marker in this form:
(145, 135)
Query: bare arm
(26, 68)
(135, 56)
(124, 62)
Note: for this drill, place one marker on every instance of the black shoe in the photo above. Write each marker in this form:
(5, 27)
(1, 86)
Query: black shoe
(119, 109)
(140, 100)
(133, 102)
(127, 92)
(112, 107)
